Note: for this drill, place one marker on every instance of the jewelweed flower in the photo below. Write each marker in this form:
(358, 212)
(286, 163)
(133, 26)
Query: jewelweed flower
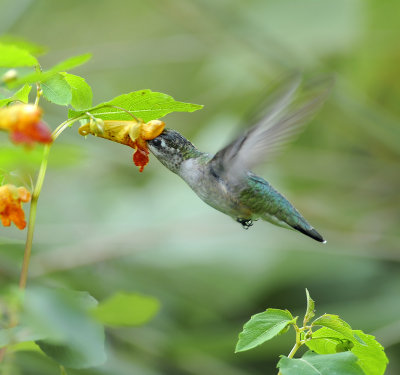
(23, 121)
(10, 205)
(130, 133)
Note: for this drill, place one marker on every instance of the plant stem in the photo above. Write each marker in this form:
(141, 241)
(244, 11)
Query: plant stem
(32, 218)
(39, 93)
(60, 128)
(296, 345)
(35, 197)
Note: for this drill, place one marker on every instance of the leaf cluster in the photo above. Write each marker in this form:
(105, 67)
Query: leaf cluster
(66, 89)
(65, 325)
(334, 346)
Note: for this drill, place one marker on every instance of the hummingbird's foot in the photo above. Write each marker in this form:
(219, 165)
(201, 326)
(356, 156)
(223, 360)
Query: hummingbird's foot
(246, 223)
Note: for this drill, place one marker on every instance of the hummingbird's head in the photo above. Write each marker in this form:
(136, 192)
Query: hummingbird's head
(171, 149)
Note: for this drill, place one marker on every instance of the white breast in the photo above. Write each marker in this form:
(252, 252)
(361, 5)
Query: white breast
(212, 191)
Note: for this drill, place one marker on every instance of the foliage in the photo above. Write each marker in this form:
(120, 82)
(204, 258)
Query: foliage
(103, 227)
(338, 349)
(67, 325)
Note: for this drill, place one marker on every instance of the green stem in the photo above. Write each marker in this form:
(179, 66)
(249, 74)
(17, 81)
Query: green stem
(35, 198)
(39, 93)
(296, 345)
(32, 218)
(60, 128)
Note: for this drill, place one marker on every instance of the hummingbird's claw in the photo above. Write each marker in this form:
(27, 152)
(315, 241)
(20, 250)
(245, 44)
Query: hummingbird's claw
(246, 223)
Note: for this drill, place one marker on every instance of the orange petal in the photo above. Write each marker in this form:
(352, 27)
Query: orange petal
(152, 129)
(24, 194)
(23, 123)
(5, 220)
(10, 205)
(141, 158)
(131, 133)
(17, 215)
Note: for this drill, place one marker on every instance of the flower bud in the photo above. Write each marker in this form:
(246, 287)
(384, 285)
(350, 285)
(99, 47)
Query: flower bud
(9, 76)
(96, 126)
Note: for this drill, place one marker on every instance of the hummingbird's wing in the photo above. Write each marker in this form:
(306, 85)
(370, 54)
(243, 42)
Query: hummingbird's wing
(288, 110)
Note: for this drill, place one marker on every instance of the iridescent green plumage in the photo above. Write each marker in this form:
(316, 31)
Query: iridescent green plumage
(225, 181)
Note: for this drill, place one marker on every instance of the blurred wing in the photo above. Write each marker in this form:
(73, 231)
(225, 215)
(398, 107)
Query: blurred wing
(282, 118)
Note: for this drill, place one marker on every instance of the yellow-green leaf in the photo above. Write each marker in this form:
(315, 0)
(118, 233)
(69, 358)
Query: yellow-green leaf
(145, 104)
(81, 92)
(13, 56)
(263, 327)
(126, 309)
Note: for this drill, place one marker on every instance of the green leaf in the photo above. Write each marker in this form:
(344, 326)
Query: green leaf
(21, 95)
(57, 90)
(72, 337)
(335, 323)
(263, 327)
(45, 75)
(71, 63)
(81, 92)
(30, 346)
(33, 48)
(370, 354)
(310, 308)
(18, 334)
(123, 309)
(145, 104)
(13, 56)
(315, 364)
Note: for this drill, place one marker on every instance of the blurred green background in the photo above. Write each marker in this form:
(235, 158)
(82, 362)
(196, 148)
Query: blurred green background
(102, 226)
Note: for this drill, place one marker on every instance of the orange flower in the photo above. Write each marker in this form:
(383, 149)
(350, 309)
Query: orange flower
(10, 205)
(131, 133)
(23, 121)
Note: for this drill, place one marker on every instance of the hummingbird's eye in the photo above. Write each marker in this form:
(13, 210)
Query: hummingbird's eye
(157, 142)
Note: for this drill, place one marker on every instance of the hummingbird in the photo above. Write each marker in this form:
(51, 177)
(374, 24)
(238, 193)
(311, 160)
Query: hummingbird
(225, 180)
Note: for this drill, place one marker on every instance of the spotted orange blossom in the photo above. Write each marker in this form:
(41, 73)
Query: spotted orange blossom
(132, 133)
(11, 198)
(23, 122)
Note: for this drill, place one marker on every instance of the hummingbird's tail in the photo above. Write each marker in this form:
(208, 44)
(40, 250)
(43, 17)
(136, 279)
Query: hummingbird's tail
(310, 231)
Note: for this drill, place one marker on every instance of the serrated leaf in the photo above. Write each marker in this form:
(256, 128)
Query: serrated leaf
(81, 92)
(12, 56)
(263, 327)
(370, 354)
(310, 308)
(315, 364)
(21, 95)
(57, 90)
(73, 338)
(126, 309)
(335, 323)
(71, 62)
(62, 66)
(144, 104)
